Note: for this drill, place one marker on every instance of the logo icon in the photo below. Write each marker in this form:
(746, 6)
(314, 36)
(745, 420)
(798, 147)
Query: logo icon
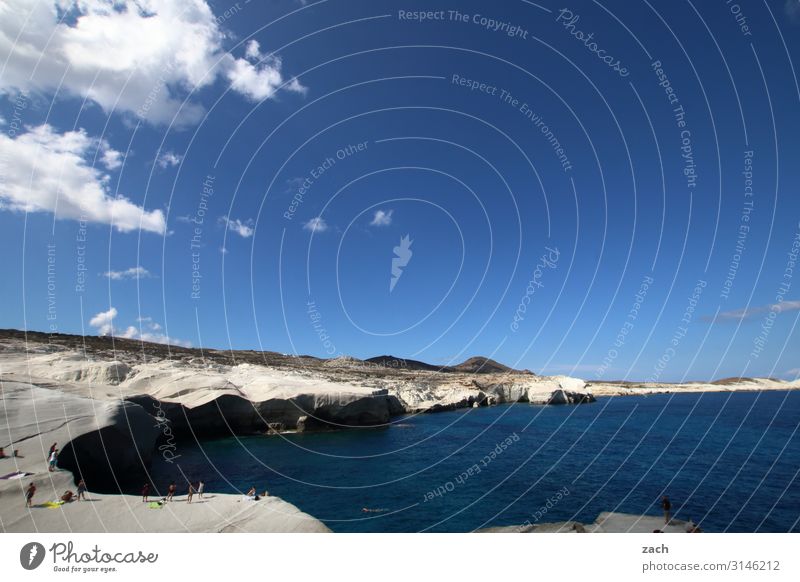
(31, 555)
(402, 257)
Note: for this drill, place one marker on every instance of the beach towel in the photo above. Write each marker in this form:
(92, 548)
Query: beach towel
(155, 505)
(52, 504)
(16, 475)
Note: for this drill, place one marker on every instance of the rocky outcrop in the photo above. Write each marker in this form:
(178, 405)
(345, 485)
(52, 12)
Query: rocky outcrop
(108, 442)
(497, 389)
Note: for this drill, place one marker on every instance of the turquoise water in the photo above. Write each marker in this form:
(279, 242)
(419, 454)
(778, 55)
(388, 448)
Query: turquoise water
(729, 461)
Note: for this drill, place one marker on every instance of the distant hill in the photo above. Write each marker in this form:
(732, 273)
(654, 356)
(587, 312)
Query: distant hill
(482, 365)
(403, 364)
(474, 365)
(114, 347)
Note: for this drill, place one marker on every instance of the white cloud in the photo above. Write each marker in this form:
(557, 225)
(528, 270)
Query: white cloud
(132, 273)
(316, 224)
(750, 312)
(168, 159)
(137, 333)
(137, 56)
(109, 157)
(382, 218)
(252, 50)
(243, 229)
(104, 321)
(46, 171)
(258, 76)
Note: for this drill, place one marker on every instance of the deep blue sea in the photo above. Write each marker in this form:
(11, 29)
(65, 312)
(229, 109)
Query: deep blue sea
(729, 461)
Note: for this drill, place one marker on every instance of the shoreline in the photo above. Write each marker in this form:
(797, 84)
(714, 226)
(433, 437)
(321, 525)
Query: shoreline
(112, 412)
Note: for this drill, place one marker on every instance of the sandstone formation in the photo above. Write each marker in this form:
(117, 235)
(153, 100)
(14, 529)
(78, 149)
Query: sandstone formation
(111, 402)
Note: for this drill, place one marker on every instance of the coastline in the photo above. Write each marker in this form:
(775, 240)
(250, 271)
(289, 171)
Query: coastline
(112, 413)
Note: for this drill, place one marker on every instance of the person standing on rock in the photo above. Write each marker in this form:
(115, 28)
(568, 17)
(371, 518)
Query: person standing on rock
(190, 493)
(81, 490)
(145, 492)
(53, 460)
(170, 491)
(29, 491)
(667, 507)
(200, 488)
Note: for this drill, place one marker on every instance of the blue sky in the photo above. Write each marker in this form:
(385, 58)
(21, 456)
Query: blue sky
(603, 189)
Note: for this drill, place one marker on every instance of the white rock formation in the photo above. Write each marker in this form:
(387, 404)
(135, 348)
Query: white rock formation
(108, 440)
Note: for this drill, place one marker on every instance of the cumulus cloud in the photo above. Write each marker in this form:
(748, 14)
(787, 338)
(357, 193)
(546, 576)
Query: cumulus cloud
(104, 321)
(750, 312)
(168, 160)
(258, 76)
(132, 273)
(382, 218)
(47, 171)
(316, 224)
(154, 336)
(110, 158)
(147, 331)
(243, 229)
(137, 56)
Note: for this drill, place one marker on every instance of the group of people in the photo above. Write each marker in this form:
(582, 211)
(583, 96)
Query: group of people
(197, 489)
(52, 462)
(251, 494)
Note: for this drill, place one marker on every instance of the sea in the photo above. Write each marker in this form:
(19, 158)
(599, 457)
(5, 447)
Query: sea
(729, 461)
